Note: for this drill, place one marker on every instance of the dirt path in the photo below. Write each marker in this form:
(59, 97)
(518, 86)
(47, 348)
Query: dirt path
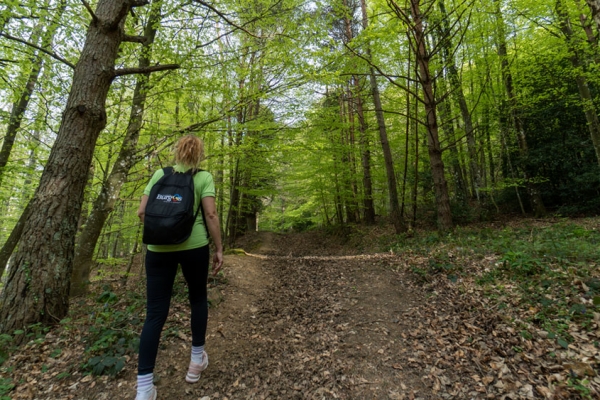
(298, 321)
(294, 328)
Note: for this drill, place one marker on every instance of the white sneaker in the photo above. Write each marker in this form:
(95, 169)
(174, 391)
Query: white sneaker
(194, 370)
(148, 395)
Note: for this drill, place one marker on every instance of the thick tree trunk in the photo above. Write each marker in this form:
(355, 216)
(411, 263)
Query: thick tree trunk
(395, 214)
(109, 193)
(37, 287)
(440, 185)
(20, 106)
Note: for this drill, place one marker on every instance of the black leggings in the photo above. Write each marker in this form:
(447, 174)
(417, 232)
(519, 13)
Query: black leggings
(160, 272)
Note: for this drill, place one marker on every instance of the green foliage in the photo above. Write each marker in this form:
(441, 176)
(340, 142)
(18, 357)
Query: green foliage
(6, 386)
(520, 264)
(5, 347)
(112, 334)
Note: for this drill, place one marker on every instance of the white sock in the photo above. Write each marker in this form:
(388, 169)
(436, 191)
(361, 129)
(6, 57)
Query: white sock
(144, 382)
(197, 354)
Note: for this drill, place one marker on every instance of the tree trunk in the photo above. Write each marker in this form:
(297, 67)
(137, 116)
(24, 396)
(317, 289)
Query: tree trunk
(536, 199)
(457, 172)
(109, 193)
(395, 214)
(444, 216)
(369, 208)
(37, 287)
(456, 88)
(357, 103)
(585, 94)
(20, 106)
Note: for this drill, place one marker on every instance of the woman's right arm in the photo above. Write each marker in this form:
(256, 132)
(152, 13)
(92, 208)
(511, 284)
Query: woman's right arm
(214, 228)
(142, 209)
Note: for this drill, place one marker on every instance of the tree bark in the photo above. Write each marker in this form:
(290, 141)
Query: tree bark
(395, 214)
(444, 216)
(109, 193)
(37, 286)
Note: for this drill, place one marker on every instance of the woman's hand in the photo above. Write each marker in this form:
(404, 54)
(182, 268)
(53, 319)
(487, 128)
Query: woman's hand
(217, 262)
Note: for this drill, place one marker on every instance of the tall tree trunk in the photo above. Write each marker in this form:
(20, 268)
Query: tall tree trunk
(459, 95)
(536, 199)
(345, 146)
(369, 208)
(109, 193)
(444, 216)
(37, 286)
(585, 93)
(457, 172)
(395, 215)
(20, 106)
(356, 101)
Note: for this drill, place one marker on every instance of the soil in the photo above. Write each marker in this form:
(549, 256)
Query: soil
(304, 317)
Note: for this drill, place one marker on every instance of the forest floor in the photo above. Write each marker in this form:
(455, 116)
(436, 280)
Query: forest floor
(307, 316)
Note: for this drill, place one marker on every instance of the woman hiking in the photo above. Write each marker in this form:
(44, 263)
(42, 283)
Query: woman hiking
(161, 268)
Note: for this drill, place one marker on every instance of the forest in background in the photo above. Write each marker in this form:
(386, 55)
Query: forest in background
(414, 113)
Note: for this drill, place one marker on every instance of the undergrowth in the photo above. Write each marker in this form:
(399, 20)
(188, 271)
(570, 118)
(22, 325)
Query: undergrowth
(113, 332)
(551, 270)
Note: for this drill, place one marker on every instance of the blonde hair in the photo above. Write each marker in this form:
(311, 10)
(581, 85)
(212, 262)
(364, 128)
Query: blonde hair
(189, 151)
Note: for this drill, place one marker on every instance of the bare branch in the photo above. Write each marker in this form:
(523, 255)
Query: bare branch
(51, 54)
(89, 9)
(220, 14)
(155, 68)
(386, 76)
(139, 3)
(197, 126)
(134, 39)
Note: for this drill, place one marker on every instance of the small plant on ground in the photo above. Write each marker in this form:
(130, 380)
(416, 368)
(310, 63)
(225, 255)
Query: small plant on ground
(113, 333)
(6, 386)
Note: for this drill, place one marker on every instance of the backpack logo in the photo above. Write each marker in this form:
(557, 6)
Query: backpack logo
(168, 198)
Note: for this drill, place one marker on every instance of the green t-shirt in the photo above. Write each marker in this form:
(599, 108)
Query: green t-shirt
(204, 186)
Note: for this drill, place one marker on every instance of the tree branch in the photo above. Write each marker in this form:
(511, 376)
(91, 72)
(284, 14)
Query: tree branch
(134, 39)
(51, 54)
(383, 74)
(220, 14)
(89, 9)
(139, 3)
(197, 126)
(125, 7)
(148, 70)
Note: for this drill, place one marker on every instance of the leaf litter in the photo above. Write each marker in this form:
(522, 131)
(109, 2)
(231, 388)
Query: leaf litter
(307, 318)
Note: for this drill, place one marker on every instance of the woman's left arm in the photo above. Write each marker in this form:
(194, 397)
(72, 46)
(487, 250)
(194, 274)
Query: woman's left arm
(212, 222)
